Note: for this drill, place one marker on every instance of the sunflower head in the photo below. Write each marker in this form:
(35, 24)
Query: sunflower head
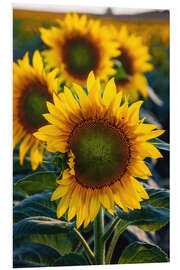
(131, 64)
(78, 46)
(106, 145)
(32, 88)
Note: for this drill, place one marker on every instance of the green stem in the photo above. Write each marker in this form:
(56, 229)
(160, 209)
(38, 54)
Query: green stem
(99, 244)
(120, 228)
(85, 245)
(110, 229)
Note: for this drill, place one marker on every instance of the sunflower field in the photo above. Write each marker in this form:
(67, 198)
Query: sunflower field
(90, 139)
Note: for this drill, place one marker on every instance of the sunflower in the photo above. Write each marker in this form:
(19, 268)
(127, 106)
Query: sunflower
(32, 88)
(105, 143)
(78, 46)
(133, 62)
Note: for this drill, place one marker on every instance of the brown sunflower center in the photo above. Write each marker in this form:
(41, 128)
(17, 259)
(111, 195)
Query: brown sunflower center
(80, 56)
(126, 69)
(33, 104)
(101, 153)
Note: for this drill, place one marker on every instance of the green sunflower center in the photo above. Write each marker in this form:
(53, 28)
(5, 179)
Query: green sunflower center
(80, 56)
(101, 154)
(34, 105)
(125, 70)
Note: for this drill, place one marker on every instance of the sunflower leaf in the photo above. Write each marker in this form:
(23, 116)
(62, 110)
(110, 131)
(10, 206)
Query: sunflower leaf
(35, 205)
(154, 212)
(23, 264)
(40, 225)
(139, 252)
(70, 260)
(148, 218)
(157, 197)
(35, 253)
(40, 205)
(64, 243)
(36, 182)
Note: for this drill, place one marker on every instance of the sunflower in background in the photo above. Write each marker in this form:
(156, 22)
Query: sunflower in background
(131, 64)
(32, 87)
(78, 46)
(105, 144)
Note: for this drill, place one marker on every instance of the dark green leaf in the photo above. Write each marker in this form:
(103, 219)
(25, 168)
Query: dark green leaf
(17, 168)
(139, 252)
(36, 182)
(154, 213)
(23, 264)
(35, 253)
(70, 260)
(148, 218)
(40, 204)
(41, 225)
(157, 197)
(35, 205)
(64, 243)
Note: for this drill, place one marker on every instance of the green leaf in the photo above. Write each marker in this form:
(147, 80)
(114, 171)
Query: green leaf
(35, 205)
(153, 214)
(17, 168)
(23, 264)
(36, 182)
(139, 252)
(160, 144)
(71, 260)
(157, 197)
(64, 243)
(41, 225)
(148, 218)
(35, 253)
(40, 204)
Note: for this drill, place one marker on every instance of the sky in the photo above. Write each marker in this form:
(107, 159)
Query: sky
(96, 10)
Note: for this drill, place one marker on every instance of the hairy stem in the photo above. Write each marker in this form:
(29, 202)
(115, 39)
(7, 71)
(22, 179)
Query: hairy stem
(120, 228)
(110, 229)
(99, 244)
(85, 245)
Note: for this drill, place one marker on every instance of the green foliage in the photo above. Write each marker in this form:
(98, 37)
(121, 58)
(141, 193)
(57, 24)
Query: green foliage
(139, 252)
(35, 253)
(36, 182)
(35, 205)
(157, 197)
(64, 243)
(70, 260)
(17, 168)
(154, 213)
(148, 218)
(35, 222)
(24, 264)
(40, 225)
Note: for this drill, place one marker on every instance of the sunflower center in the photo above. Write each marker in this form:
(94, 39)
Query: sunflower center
(101, 154)
(127, 65)
(34, 105)
(80, 56)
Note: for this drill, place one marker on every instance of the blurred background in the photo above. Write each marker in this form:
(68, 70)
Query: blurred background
(153, 27)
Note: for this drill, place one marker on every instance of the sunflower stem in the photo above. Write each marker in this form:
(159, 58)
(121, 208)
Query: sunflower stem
(120, 228)
(85, 245)
(110, 229)
(99, 244)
